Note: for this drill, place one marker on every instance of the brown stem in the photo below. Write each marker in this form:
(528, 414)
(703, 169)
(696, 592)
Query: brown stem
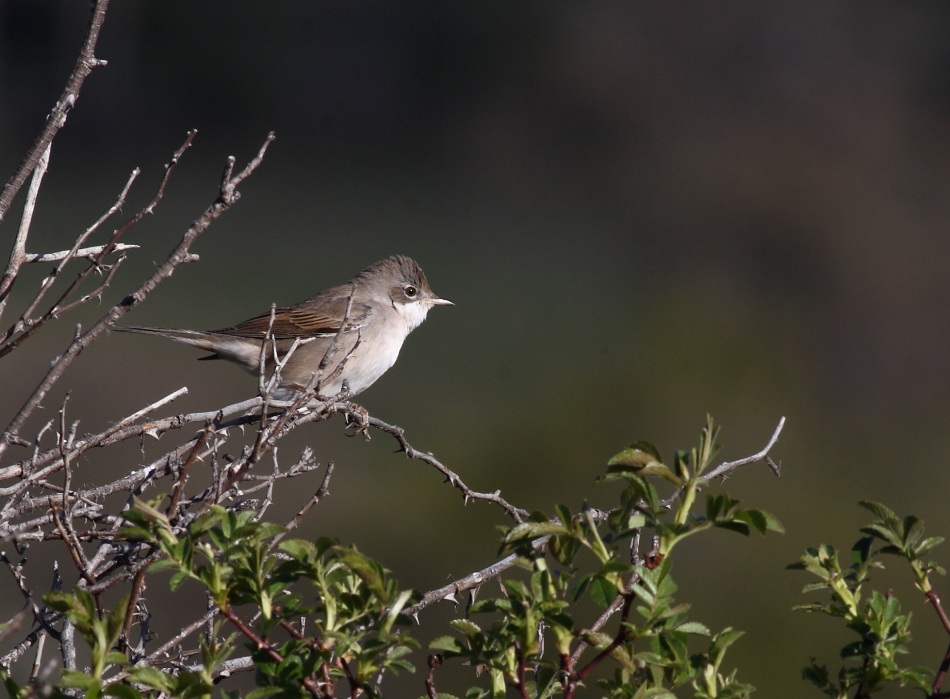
(934, 600)
(262, 645)
(578, 676)
(138, 587)
(522, 684)
(183, 471)
(941, 674)
(434, 661)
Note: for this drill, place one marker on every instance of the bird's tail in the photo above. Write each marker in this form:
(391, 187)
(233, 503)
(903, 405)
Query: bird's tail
(195, 338)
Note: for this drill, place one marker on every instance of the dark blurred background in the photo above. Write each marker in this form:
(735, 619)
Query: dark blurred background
(645, 212)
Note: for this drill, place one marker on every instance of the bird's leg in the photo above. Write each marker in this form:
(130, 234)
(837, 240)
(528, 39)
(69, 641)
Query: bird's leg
(358, 417)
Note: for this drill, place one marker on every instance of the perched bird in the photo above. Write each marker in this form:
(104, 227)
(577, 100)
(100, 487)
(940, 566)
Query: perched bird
(346, 336)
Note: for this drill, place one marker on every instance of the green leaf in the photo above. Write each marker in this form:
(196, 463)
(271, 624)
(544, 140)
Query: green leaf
(681, 465)
(123, 691)
(469, 628)
(152, 677)
(177, 579)
(635, 520)
(535, 530)
(115, 657)
(913, 530)
(695, 628)
(597, 639)
(819, 676)
(147, 513)
(163, 564)
(298, 548)
(641, 495)
(724, 639)
(602, 592)
(395, 608)
(642, 459)
(761, 520)
(623, 657)
(861, 551)
(447, 644)
(638, 453)
(76, 680)
(928, 544)
(733, 526)
(881, 511)
(563, 513)
(565, 548)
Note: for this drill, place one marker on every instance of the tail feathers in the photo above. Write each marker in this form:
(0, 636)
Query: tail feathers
(195, 338)
(244, 351)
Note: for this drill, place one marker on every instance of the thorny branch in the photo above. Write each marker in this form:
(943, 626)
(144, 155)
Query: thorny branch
(117, 563)
(516, 513)
(727, 467)
(473, 581)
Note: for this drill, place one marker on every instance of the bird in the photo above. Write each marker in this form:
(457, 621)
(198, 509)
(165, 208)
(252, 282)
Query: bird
(342, 339)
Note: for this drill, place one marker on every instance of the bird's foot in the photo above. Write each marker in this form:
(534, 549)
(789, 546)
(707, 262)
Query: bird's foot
(357, 419)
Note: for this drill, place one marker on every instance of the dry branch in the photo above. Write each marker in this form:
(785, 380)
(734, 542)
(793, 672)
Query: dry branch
(228, 195)
(57, 117)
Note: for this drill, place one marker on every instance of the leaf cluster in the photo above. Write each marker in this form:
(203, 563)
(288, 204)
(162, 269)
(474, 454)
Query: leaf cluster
(321, 619)
(596, 556)
(872, 660)
(324, 612)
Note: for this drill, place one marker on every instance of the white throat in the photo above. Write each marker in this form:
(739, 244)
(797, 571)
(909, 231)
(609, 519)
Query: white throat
(413, 313)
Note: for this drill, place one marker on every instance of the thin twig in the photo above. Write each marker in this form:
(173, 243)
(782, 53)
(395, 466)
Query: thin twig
(615, 605)
(88, 253)
(18, 253)
(177, 257)
(516, 513)
(321, 493)
(85, 63)
(724, 468)
(26, 324)
(727, 467)
(472, 581)
(30, 326)
(434, 662)
(262, 645)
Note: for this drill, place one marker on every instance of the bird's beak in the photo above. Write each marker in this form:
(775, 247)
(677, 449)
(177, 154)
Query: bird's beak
(440, 302)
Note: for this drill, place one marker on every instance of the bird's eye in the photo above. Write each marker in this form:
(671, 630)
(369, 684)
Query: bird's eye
(411, 290)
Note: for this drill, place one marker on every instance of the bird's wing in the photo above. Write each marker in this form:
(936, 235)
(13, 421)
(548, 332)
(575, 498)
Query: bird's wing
(318, 316)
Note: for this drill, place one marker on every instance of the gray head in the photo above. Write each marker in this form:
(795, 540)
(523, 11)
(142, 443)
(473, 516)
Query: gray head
(405, 284)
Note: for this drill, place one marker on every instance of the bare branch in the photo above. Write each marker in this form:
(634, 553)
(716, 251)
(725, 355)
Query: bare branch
(26, 320)
(90, 253)
(57, 117)
(28, 325)
(177, 257)
(516, 513)
(761, 455)
(18, 253)
(468, 582)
